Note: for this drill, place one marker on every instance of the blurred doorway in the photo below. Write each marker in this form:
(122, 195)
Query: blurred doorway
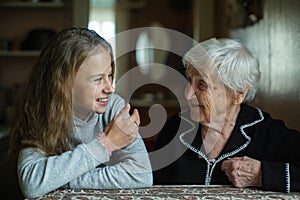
(102, 19)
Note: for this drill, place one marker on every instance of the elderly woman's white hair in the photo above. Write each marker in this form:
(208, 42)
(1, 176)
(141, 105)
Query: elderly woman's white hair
(236, 66)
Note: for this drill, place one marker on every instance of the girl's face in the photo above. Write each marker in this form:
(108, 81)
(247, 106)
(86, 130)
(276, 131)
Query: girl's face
(93, 85)
(208, 98)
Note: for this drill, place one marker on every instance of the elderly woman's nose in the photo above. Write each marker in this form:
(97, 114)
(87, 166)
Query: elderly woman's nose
(189, 92)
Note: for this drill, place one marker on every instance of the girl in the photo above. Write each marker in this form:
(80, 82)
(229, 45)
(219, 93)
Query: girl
(71, 131)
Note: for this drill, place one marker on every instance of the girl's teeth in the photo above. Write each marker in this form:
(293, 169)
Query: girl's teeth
(101, 100)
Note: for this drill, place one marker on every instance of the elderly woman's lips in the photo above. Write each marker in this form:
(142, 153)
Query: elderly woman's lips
(193, 104)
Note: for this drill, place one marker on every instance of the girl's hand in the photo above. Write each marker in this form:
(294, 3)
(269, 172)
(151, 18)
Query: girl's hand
(121, 132)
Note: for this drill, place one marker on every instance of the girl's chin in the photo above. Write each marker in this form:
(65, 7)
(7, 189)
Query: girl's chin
(100, 110)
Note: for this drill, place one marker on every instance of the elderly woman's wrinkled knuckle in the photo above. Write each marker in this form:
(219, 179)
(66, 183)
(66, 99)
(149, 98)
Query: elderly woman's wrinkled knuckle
(235, 165)
(233, 174)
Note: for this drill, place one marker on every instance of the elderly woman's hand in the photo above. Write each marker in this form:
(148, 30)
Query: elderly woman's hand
(243, 171)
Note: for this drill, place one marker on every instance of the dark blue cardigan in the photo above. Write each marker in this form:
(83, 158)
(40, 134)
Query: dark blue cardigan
(255, 135)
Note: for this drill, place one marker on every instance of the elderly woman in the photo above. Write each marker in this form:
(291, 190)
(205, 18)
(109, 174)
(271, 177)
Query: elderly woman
(221, 139)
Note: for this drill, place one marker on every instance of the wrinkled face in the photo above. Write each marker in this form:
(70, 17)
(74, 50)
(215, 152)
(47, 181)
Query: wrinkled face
(207, 97)
(93, 85)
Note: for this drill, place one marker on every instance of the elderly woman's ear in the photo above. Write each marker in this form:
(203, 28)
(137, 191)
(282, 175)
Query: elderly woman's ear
(239, 96)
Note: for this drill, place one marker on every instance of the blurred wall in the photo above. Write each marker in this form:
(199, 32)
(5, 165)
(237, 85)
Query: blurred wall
(275, 39)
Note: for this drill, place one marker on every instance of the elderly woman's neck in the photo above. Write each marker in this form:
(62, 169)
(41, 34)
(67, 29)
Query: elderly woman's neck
(223, 124)
(217, 134)
(231, 118)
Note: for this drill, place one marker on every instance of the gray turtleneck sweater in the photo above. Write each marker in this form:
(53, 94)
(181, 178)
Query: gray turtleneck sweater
(87, 165)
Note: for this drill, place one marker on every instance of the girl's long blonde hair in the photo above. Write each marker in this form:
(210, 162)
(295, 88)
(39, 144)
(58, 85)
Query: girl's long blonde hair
(44, 113)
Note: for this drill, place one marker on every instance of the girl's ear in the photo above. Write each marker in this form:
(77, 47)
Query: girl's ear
(239, 96)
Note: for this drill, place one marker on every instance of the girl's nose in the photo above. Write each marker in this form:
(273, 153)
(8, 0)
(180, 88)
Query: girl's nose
(189, 92)
(108, 87)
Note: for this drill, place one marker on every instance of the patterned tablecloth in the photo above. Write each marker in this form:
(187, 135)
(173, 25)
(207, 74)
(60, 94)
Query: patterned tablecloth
(172, 192)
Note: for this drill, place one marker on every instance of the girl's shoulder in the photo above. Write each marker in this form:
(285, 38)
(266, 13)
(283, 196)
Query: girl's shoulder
(115, 98)
(115, 104)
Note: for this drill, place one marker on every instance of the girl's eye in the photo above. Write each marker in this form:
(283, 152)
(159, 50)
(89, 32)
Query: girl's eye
(98, 79)
(109, 76)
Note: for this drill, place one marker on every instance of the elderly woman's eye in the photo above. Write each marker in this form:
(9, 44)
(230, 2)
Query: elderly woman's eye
(188, 79)
(202, 85)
